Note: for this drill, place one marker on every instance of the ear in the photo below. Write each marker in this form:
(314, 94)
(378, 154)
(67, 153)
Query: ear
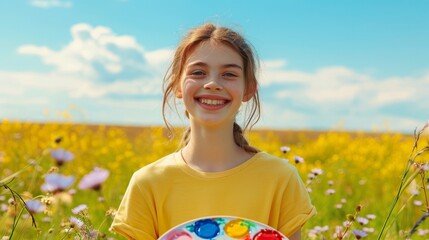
(178, 89)
(250, 92)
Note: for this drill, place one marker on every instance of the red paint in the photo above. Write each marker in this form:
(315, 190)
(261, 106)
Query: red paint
(267, 234)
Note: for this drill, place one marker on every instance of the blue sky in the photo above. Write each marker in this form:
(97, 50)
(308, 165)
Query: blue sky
(353, 65)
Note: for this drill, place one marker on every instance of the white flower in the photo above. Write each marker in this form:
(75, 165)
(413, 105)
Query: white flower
(76, 223)
(362, 220)
(317, 171)
(414, 192)
(330, 191)
(347, 224)
(422, 232)
(79, 208)
(418, 203)
(285, 149)
(425, 167)
(338, 206)
(298, 159)
(322, 229)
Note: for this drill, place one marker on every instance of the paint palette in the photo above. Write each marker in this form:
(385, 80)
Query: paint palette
(222, 228)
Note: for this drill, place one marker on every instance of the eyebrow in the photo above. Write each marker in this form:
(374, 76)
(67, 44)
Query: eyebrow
(203, 64)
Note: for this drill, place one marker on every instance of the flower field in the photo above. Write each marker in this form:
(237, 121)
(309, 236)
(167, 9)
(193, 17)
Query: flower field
(64, 181)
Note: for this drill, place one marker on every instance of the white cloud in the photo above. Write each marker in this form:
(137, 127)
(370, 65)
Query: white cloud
(336, 93)
(101, 62)
(113, 78)
(142, 87)
(272, 72)
(340, 84)
(108, 76)
(159, 57)
(24, 82)
(51, 3)
(275, 116)
(99, 54)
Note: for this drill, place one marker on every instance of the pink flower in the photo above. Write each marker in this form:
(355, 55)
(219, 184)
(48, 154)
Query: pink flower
(94, 179)
(61, 156)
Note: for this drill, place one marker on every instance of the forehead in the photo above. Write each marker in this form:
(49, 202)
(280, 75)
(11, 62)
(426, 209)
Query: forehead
(214, 53)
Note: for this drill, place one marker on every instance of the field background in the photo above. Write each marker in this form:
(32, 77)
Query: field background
(358, 169)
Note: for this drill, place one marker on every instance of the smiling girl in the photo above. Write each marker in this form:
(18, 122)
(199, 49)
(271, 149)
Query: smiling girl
(216, 172)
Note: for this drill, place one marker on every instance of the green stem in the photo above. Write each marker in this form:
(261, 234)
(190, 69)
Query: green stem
(396, 199)
(402, 186)
(15, 222)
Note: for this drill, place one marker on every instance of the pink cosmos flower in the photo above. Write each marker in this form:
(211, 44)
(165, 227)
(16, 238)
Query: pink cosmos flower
(94, 179)
(55, 182)
(61, 156)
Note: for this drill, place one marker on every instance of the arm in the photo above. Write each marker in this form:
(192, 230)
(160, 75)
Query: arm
(134, 219)
(296, 235)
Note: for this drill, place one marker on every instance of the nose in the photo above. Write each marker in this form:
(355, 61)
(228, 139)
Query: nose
(213, 84)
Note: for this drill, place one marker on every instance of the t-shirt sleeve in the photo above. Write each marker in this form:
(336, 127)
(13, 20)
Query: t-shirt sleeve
(296, 205)
(135, 216)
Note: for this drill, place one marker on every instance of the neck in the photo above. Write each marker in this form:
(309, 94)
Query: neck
(213, 149)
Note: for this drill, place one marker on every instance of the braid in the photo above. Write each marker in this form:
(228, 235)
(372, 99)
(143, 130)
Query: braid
(241, 141)
(185, 138)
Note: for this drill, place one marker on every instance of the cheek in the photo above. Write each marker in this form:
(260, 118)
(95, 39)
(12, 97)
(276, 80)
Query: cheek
(188, 91)
(236, 89)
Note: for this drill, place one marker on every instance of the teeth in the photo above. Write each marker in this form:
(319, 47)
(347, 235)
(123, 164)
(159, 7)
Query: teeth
(212, 101)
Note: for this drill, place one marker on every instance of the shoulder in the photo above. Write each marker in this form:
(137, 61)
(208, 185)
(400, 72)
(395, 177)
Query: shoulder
(157, 169)
(274, 164)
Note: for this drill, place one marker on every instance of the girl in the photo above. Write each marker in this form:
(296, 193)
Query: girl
(216, 172)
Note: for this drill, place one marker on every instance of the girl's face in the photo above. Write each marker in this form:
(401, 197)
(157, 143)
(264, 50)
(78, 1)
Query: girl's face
(213, 84)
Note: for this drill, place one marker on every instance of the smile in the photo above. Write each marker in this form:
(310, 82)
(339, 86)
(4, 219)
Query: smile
(212, 102)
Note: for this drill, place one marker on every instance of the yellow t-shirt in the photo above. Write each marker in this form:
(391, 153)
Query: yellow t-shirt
(167, 193)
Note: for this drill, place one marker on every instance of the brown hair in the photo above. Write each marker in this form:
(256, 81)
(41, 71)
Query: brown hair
(233, 39)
